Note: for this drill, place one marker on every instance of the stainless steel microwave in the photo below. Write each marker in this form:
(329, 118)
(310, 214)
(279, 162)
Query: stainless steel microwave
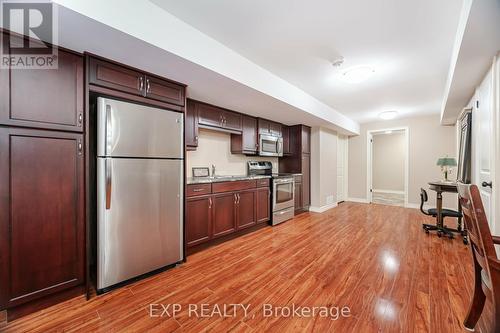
(270, 145)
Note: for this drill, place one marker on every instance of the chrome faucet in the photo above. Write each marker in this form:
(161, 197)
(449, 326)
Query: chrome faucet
(213, 170)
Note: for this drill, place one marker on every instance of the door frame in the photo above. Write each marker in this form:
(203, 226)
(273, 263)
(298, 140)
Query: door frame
(369, 160)
(496, 145)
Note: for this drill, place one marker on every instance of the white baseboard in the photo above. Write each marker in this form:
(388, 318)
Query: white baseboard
(360, 200)
(322, 208)
(389, 191)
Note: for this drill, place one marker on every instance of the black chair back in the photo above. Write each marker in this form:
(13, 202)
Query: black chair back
(423, 199)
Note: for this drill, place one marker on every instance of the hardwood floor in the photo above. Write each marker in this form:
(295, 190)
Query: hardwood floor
(373, 259)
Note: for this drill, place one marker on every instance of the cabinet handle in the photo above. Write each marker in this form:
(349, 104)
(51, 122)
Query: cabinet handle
(148, 86)
(235, 199)
(196, 138)
(141, 83)
(80, 119)
(80, 147)
(198, 190)
(209, 203)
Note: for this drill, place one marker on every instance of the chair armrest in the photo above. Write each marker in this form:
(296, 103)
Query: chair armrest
(496, 239)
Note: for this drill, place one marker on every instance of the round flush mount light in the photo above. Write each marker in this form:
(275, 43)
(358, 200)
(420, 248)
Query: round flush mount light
(357, 74)
(388, 115)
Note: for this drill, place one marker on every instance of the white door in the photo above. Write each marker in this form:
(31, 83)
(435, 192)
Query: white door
(483, 138)
(341, 168)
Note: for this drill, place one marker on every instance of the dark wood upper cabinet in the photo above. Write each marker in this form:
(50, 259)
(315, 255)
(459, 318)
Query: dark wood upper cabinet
(41, 214)
(306, 139)
(208, 115)
(264, 126)
(214, 117)
(164, 91)
(114, 76)
(275, 128)
(51, 98)
(232, 120)
(198, 220)
(263, 198)
(268, 127)
(246, 209)
(132, 81)
(246, 143)
(224, 214)
(285, 132)
(191, 126)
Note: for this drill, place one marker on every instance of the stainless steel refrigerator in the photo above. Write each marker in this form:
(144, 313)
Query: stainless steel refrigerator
(140, 166)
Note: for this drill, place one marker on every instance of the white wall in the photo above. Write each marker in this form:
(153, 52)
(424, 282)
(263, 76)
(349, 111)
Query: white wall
(215, 148)
(428, 141)
(389, 151)
(323, 169)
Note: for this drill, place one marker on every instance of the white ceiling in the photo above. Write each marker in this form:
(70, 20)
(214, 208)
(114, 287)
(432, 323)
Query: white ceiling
(409, 43)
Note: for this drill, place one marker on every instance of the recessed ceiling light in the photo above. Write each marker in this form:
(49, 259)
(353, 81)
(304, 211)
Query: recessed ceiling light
(388, 115)
(357, 74)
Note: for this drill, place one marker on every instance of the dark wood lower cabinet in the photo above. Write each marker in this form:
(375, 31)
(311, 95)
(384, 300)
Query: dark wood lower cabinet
(198, 220)
(229, 208)
(224, 214)
(246, 209)
(41, 214)
(263, 198)
(299, 205)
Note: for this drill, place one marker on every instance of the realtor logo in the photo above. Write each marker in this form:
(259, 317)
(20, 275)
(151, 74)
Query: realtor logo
(36, 21)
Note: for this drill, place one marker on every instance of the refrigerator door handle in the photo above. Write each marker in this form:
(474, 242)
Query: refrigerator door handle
(108, 132)
(108, 166)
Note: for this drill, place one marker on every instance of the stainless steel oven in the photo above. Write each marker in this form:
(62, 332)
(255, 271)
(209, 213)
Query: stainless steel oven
(270, 145)
(283, 199)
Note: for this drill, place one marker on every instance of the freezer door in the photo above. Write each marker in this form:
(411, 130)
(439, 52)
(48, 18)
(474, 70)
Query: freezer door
(132, 130)
(139, 223)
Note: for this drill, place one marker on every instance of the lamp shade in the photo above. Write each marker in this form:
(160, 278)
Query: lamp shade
(447, 161)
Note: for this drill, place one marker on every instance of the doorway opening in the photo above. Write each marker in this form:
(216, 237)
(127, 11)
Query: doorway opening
(387, 179)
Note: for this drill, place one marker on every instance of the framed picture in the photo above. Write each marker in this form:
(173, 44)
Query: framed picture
(201, 172)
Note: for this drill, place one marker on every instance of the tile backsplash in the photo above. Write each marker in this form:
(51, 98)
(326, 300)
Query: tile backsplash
(215, 148)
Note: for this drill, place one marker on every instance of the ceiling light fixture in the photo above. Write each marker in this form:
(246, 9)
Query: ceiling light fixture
(388, 115)
(357, 74)
(388, 132)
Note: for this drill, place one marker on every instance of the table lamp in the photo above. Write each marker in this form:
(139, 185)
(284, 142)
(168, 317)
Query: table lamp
(446, 163)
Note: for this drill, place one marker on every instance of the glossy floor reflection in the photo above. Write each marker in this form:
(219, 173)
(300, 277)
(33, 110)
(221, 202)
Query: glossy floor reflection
(373, 259)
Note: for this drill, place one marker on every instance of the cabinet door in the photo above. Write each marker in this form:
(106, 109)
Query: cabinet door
(51, 99)
(264, 126)
(224, 214)
(41, 214)
(198, 220)
(306, 140)
(263, 205)
(249, 139)
(306, 180)
(298, 196)
(275, 128)
(209, 115)
(105, 74)
(246, 209)
(191, 126)
(285, 132)
(231, 120)
(165, 91)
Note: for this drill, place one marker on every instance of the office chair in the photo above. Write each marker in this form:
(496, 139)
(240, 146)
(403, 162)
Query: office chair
(441, 230)
(486, 261)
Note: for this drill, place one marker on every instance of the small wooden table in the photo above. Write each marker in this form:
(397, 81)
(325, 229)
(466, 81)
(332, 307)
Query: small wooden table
(441, 187)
